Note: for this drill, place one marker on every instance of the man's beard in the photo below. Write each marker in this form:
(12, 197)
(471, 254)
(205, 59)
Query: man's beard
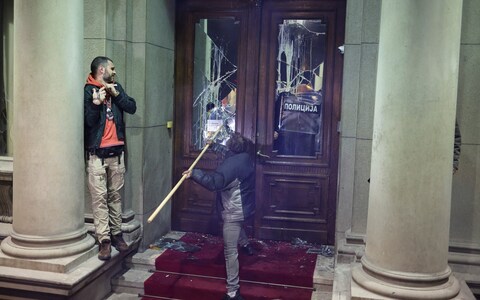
(108, 78)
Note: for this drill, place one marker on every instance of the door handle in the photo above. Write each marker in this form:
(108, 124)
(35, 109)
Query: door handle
(262, 155)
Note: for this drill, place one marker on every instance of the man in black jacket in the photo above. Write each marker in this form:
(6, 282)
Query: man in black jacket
(104, 104)
(235, 180)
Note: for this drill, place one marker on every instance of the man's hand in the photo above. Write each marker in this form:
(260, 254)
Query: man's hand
(187, 174)
(98, 96)
(110, 87)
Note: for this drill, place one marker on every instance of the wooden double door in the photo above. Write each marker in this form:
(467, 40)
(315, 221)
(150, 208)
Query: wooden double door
(272, 71)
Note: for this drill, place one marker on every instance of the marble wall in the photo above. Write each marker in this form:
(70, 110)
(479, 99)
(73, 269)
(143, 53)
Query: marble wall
(465, 221)
(359, 79)
(139, 37)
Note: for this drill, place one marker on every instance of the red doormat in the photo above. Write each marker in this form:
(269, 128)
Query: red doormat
(278, 270)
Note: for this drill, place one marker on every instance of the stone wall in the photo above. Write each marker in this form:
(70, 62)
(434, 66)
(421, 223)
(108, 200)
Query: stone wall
(139, 37)
(361, 50)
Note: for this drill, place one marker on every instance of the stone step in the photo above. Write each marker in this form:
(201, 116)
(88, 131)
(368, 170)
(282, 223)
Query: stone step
(130, 282)
(122, 296)
(143, 261)
(323, 275)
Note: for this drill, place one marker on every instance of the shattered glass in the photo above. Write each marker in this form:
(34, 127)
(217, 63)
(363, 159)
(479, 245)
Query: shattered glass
(169, 243)
(299, 87)
(215, 79)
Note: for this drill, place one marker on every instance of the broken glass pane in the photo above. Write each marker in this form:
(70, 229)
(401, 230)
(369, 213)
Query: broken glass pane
(299, 87)
(215, 79)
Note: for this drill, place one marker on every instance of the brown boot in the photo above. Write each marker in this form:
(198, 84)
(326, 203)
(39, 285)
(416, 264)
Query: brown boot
(105, 250)
(119, 243)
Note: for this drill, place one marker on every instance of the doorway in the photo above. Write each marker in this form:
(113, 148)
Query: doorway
(271, 71)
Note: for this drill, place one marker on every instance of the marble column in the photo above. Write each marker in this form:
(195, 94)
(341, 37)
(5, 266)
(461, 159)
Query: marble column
(412, 149)
(48, 172)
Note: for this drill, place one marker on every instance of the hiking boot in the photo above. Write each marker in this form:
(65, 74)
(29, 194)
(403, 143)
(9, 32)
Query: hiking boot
(236, 297)
(248, 249)
(119, 243)
(105, 250)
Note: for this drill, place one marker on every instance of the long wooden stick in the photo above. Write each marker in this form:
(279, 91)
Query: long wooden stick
(175, 188)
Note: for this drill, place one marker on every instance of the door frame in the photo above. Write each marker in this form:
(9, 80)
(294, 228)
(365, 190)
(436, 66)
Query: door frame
(248, 119)
(302, 9)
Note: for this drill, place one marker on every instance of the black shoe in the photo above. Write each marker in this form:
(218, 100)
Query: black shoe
(105, 250)
(248, 249)
(236, 297)
(119, 243)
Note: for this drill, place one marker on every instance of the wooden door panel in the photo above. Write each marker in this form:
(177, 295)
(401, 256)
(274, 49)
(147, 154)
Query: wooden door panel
(209, 61)
(296, 187)
(293, 206)
(295, 194)
(198, 201)
(293, 198)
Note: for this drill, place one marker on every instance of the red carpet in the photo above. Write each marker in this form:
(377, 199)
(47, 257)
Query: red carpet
(274, 262)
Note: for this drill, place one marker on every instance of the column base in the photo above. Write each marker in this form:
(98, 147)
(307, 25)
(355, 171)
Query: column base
(47, 248)
(56, 265)
(90, 279)
(373, 287)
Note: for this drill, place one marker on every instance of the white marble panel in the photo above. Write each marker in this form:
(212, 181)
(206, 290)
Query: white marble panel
(157, 172)
(161, 23)
(371, 21)
(157, 182)
(346, 184)
(94, 19)
(116, 20)
(129, 10)
(470, 22)
(368, 77)
(465, 208)
(133, 189)
(350, 90)
(136, 81)
(159, 85)
(138, 32)
(468, 106)
(354, 22)
(361, 186)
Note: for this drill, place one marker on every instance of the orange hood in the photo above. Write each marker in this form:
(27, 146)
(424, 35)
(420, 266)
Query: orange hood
(92, 81)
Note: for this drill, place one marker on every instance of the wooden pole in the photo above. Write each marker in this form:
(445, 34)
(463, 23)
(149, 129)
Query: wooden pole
(175, 188)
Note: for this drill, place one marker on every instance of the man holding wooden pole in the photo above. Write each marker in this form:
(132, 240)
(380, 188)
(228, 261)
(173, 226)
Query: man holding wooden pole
(235, 180)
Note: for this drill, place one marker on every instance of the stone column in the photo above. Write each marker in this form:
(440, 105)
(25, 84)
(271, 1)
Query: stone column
(48, 173)
(412, 149)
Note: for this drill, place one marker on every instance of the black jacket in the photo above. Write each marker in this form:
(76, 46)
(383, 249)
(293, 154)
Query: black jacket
(95, 115)
(235, 180)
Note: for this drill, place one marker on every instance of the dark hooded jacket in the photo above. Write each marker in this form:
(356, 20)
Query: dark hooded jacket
(235, 180)
(95, 115)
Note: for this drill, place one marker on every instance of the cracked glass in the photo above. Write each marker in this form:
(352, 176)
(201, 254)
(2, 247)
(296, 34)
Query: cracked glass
(299, 87)
(215, 79)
